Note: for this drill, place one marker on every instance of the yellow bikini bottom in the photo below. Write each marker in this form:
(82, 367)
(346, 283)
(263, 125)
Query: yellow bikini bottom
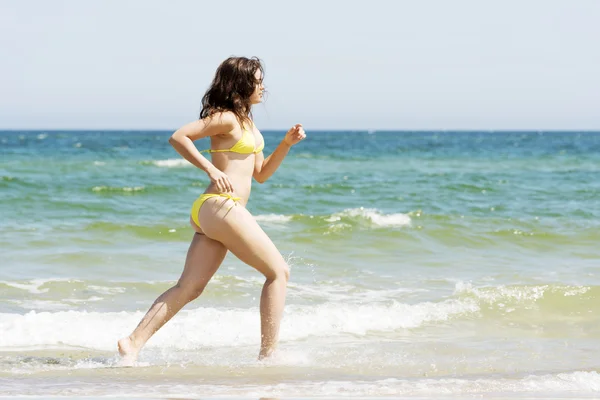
(203, 197)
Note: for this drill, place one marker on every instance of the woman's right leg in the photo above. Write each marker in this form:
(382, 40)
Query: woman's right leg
(204, 257)
(237, 229)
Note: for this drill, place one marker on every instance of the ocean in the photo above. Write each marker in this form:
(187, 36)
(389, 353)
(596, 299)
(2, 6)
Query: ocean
(423, 264)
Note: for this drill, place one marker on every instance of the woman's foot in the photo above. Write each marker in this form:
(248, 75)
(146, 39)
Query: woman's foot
(128, 351)
(266, 354)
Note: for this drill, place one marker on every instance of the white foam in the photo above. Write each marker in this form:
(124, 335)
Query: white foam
(374, 216)
(124, 189)
(83, 301)
(576, 291)
(273, 218)
(200, 327)
(563, 385)
(515, 293)
(172, 163)
(580, 382)
(349, 294)
(107, 290)
(42, 305)
(34, 286)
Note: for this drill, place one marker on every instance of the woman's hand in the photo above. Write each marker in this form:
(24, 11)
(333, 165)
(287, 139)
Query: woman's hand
(220, 180)
(294, 135)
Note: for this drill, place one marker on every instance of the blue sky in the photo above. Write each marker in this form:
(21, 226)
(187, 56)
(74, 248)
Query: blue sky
(461, 64)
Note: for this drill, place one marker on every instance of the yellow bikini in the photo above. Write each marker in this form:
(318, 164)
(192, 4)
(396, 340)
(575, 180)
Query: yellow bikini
(246, 145)
(203, 197)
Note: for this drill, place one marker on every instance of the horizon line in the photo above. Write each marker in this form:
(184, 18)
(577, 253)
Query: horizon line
(594, 130)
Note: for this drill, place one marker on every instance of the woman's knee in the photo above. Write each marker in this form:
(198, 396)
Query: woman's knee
(190, 291)
(287, 272)
(280, 273)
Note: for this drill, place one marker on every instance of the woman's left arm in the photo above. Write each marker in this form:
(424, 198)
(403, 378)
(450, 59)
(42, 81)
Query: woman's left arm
(265, 167)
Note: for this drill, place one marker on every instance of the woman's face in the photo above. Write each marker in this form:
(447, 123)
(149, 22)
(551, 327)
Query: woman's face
(258, 89)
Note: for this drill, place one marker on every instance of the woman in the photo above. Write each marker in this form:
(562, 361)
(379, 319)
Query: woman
(219, 216)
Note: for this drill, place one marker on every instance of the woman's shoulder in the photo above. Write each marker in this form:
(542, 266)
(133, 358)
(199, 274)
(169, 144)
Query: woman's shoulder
(225, 118)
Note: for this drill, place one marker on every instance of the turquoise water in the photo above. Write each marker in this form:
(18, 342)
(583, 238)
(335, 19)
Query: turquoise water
(423, 263)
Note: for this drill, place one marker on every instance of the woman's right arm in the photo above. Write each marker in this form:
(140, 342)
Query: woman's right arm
(183, 138)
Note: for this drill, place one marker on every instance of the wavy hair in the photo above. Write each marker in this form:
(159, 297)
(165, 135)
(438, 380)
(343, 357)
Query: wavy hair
(232, 87)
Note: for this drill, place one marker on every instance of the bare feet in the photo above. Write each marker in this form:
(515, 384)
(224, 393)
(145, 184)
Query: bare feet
(265, 354)
(128, 351)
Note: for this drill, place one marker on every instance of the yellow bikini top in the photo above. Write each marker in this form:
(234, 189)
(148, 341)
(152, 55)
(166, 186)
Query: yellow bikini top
(246, 145)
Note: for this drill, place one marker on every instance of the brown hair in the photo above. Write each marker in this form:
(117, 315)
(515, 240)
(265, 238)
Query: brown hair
(231, 88)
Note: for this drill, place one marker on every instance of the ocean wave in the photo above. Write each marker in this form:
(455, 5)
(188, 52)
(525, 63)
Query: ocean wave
(131, 190)
(219, 326)
(38, 286)
(520, 293)
(346, 218)
(525, 293)
(560, 308)
(370, 215)
(361, 218)
(10, 181)
(169, 163)
(61, 294)
(564, 385)
(526, 305)
(274, 218)
(114, 189)
(584, 382)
